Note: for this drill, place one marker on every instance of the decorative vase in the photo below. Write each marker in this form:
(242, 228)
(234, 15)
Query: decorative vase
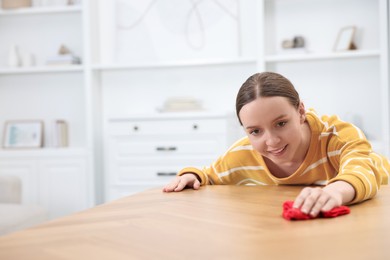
(14, 59)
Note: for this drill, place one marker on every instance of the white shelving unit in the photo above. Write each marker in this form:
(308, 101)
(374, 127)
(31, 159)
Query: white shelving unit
(41, 31)
(111, 83)
(61, 179)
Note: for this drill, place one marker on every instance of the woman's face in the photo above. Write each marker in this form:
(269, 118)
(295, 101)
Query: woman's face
(275, 128)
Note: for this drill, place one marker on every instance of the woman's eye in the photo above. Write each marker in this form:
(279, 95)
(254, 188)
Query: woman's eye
(255, 132)
(281, 124)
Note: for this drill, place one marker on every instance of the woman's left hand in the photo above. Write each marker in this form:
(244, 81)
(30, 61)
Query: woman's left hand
(313, 200)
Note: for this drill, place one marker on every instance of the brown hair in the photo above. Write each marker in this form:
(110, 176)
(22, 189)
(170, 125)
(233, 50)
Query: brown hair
(265, 84)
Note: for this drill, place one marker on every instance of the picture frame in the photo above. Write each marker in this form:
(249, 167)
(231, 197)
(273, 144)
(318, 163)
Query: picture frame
(23, 134)
(345, 39)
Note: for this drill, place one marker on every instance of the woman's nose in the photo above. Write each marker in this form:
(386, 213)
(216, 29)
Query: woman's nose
(272, 139)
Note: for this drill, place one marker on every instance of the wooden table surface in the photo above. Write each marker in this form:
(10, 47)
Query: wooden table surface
(215, 222)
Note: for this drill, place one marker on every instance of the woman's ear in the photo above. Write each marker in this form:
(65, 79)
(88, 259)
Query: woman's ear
(302, 112)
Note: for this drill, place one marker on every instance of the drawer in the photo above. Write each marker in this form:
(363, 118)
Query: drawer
(141, 146)
(152, 170)
(146, 173)
(164, 161)
(161, 127)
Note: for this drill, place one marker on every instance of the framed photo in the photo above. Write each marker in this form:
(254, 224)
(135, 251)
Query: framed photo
(23, 134)
(345, 38)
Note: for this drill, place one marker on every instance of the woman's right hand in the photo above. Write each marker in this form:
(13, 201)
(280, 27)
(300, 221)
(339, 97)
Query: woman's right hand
(180, 182)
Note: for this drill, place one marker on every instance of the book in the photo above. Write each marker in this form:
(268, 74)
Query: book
(60, 133)
(63, 59)
(175, 104)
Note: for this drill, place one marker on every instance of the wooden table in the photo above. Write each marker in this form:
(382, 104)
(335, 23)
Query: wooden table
(215, 222)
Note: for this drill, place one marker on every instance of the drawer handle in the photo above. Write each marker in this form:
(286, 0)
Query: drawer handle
(170, 148)
(166, 174)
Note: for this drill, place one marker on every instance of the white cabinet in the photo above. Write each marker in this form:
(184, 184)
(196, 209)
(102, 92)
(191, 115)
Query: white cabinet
(63, 186)
(26, 171)
(56, 180)
(148, 151)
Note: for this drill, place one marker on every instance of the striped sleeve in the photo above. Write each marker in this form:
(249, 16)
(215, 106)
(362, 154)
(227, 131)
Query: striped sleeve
(214, 173)
(239, 166)
(355, 163)
(207, 175)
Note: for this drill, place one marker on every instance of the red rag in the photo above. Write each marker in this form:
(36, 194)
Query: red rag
(291, 213)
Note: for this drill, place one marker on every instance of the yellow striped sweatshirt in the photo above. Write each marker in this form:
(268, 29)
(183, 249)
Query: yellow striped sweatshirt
(338, 151)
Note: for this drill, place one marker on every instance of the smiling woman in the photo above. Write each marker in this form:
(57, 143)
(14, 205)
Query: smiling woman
(277, 131)
(285, 144)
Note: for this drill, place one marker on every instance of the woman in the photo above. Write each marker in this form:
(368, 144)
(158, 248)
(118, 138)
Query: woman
(287, 145)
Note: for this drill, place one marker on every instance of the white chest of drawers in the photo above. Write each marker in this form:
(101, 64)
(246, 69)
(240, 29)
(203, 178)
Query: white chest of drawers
(142, 152)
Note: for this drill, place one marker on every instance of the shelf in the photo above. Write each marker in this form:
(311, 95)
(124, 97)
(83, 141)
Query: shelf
(174, 64)
(321, 56)
(41, 10)
(41, 69)
(42, 152)
(171, 115)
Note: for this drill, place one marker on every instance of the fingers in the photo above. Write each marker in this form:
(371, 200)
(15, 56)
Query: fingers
(180, 182)
(196, 185)
(172, 185)
(316, 203)
(313, 200)
(183, 181)
(298, 202)
(330, 204)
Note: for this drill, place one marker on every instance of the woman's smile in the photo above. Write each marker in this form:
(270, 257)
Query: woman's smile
(277, 152)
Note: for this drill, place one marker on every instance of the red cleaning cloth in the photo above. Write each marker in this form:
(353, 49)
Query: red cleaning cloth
(291, 213)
